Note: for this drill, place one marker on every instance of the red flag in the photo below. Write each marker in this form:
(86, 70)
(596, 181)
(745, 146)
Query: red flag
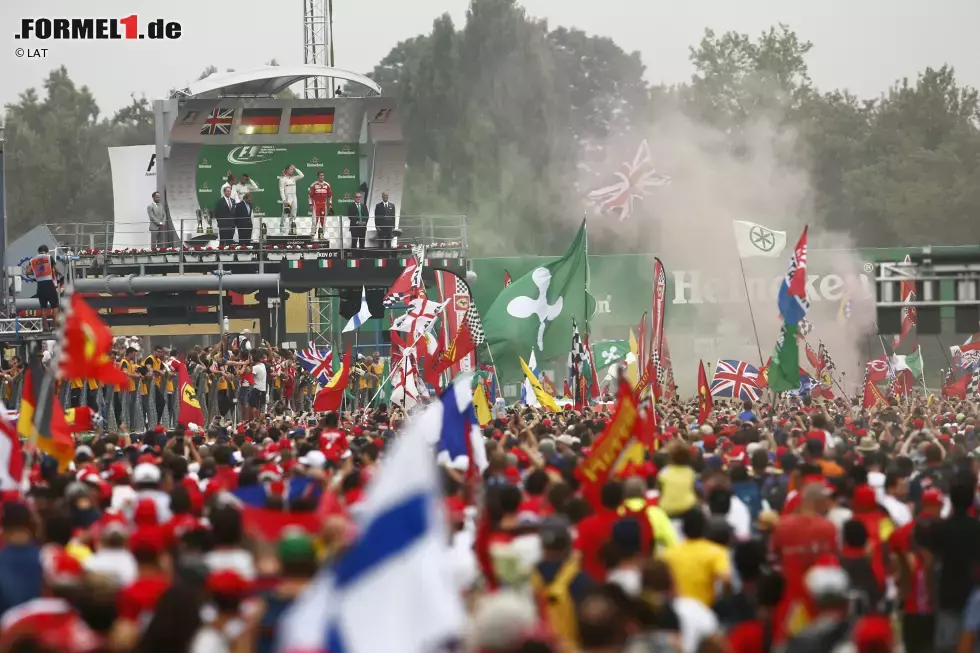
(79, 419)
(86, 346)
(11, 458)
(813, 359)
(332, 394)
(872, 395)
(190, 408)
(507, 279)
(705, 402)
(658, 310)
(460, 347)
(641, 342)
(906, 341)
(406, 286)
(877, 369)
(956, 388)
(599, 465)
(566, 391)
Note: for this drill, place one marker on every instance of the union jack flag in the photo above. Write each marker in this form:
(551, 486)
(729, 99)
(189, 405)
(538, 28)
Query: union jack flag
(219, 122)
(736, 379)
(318, 362)
(634, 181)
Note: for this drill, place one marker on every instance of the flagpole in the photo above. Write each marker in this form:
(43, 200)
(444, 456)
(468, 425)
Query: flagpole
(748, 299)
(391, 370)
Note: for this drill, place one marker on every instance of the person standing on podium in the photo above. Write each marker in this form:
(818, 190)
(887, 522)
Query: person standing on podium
(358, 215)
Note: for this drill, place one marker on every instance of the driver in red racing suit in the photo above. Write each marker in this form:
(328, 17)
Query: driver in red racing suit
(321, 201)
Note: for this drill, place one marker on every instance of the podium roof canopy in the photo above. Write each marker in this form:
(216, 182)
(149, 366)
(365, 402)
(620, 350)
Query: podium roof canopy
(269, 80)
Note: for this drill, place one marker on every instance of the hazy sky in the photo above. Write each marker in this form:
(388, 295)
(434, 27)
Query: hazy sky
(863, 45)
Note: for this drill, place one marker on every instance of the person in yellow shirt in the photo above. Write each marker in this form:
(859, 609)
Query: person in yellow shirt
(370, 380)
(75, 394)
(131, 397)
(697, 564)
(677, 481)
(636, 503)
(154, 366)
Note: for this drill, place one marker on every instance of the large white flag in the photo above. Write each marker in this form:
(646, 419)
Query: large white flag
(755, 240)
(393, 589)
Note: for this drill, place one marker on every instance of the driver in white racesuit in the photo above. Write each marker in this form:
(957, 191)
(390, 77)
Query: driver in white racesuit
(287, 191)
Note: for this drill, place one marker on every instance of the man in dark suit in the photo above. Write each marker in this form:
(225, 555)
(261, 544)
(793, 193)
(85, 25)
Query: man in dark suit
(358, 215)
(224, 211)
(384, 221)
(243, 220)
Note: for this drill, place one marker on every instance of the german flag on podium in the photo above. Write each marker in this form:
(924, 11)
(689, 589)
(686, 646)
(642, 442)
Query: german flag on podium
(42, 419)
(311, 121)
(259, 121)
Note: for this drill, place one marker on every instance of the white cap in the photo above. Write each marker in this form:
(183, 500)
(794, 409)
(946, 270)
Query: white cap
(314, 458)
(147, 473)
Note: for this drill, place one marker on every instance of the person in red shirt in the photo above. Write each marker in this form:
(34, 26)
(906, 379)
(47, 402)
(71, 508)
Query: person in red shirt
(137, 602)
(594, 531)
(914, 565)
(798, 541)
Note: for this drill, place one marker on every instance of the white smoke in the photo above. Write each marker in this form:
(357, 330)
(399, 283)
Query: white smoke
(689, 226)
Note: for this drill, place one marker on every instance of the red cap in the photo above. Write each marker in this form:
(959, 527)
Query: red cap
(117, 473)
(227, 583)
(917, 423)
(710, 441)
(358, 430)
(147, 539)
(932, 498)
(146, 513)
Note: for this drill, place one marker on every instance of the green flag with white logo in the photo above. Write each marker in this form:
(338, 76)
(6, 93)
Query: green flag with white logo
(609, 353)
(536, 310)
(784, 372)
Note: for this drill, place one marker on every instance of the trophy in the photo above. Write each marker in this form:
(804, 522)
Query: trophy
(200, 225)
(210, 221)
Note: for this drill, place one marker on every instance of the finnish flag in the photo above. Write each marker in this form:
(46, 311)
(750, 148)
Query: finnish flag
(363, 315)
(391, 590)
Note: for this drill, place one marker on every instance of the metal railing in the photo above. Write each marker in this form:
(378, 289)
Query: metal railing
(272, 239)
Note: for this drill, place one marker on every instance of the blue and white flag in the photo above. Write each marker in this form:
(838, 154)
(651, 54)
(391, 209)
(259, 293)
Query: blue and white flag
(528, 397)
(362, 316)
(393, 589)
(459, 423)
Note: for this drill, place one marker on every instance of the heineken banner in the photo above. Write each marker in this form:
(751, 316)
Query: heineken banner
(264, 164)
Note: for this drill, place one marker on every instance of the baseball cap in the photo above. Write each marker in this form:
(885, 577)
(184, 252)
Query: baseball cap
(295, 545)
(314, 458)
(147, 473)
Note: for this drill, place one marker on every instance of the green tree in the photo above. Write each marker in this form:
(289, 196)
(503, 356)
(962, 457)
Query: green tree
(58, 162)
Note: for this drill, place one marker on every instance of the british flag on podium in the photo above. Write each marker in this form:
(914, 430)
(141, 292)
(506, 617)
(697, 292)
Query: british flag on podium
(318, 362)
(735, 379)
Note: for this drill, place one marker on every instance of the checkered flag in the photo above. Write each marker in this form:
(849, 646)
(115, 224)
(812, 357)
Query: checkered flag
(660, 369)
(971, 387)
(805, 327)
(825, 360)
(472, 317)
